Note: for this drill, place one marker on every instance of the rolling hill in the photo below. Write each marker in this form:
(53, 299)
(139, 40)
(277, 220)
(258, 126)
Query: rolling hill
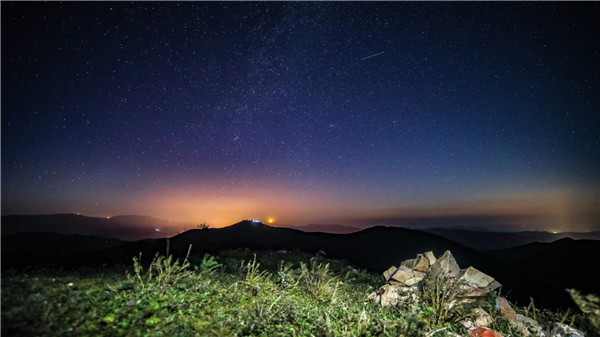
(566, 263)
(375, 249)
(328, 228)
(124, 227)
(45, 248)
(485, 241)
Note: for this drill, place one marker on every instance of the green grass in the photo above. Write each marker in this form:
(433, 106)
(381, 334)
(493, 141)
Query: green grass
(238, 293)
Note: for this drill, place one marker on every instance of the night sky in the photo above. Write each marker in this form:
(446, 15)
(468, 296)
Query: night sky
(477, 115)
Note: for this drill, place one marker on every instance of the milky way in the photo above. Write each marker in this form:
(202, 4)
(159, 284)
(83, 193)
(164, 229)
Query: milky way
(362, 113)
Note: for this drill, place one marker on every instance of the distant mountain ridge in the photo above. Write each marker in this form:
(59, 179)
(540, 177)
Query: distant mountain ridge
(124, 227)
(486, 241)
(136, 227)
(48, 247)
(375, 248)
(327, 228)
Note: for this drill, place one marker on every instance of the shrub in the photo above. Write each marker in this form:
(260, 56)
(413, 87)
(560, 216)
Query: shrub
(208, 264)
(589, 305)
(441, 294)
(285, 275)
(319, 280)
(162, 272)
(253, 274)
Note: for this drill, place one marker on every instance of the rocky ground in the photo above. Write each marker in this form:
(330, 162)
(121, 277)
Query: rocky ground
(457, 295)
(272, 293)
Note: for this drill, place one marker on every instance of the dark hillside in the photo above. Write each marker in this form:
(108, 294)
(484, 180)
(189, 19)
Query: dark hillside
(375, 249)
(486, 241)
(567, 263)
(124, 227)
(45, 248)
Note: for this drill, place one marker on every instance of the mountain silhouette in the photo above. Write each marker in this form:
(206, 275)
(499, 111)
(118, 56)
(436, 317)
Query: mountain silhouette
(124, 227)
(327, 228)
(567, 263)
(43, 248)
(374, 249)
(485, 241)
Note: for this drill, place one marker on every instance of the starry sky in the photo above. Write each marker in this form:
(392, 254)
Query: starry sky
(474, 115)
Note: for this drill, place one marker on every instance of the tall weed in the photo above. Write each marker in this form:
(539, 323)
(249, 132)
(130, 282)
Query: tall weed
(163, 271)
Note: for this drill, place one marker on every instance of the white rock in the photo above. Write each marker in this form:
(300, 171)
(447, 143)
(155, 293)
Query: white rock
(374, 296)
(421, 263)
(389, 295)
(475, 277)
(429, 255)
(563, 330)
(402, 274)
(407, 276)
(482, 319)
(410, 263)
(388, 273)
(493, 285)
(446, 265)
(525, 325)
(418, 277)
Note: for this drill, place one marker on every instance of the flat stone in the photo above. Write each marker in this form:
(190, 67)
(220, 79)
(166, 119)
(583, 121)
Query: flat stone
(418, 277)
(375, 297)
(388, 273)
(481, 319)
(421, 263)
(396, 283)
(529, 321)
(402, 274)
(504, 307)
(475, 277)
(429, 255)
(446, 265)
(471, 291)
(525, 325)
(410, 263)
(406, 276)
(493, 285)
(563, 330)
(519, 326)
(389, 295)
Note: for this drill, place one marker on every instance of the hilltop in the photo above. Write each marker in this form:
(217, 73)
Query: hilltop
(234, 293)
(373, 249)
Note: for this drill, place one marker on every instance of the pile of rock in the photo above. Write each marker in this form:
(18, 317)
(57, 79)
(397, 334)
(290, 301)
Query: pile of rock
(403, 282)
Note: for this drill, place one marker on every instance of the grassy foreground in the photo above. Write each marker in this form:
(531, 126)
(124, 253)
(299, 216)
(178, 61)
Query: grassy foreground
(240, 293)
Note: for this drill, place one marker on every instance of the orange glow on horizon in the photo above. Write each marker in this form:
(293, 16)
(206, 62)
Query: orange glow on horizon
(196, 203)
